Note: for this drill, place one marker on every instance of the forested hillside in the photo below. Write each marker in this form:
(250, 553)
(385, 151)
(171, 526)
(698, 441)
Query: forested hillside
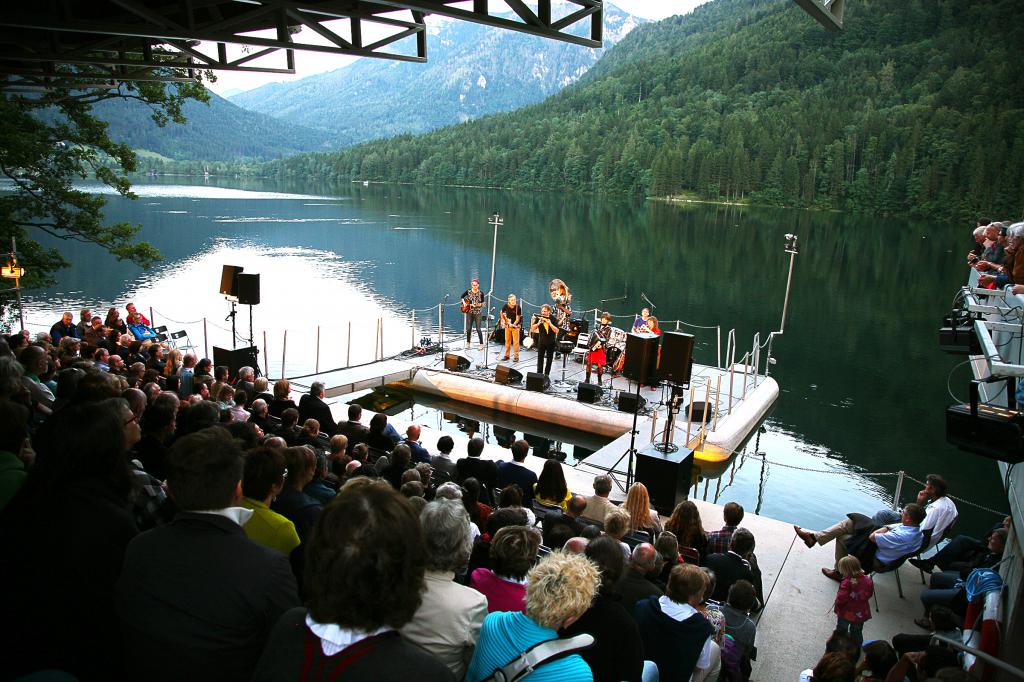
(916, 107)
(472, 70)
(218, 131)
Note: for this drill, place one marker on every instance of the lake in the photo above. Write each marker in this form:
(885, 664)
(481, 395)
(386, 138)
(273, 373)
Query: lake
(863, 384)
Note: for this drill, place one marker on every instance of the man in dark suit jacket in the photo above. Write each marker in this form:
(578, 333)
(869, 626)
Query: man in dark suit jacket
(516, 472)
(197, 598)
(569, 518)
(353, 429)
(312, 406)
(738, 563)
(637, 584)
(245, 383)
(474, 466)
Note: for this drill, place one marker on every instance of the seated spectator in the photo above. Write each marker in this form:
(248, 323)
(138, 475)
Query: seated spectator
(289, 428)
(517, 472)
(65, 327)
(569, 519)
(337, 454)
(312, 406)
(226, 398)
(260, 415)
(291, 503)
(551, 488)
(359, 598)
(411, 489)
(95, 334)
(412, 440)
(442, 461)
(477, 510)
(156, 361)
(473, 465)
(132, 310)
(618, 652)
(993, 255)
(398, 463)
(447, 623)
(359, 466)
(965, 553)
(853, 535)
(940, 620)
(237, 410)
(84, 322)
(676, 636)
(616, 526)
(378, 437)
(13, 432)
(511, 497)
(940, 511)
(718, 540)
(65, 535)
(139, 329)
(739, 563)
(833, 667)
(262, 480)
(34, 362)
(481, 554)
(668, 549)
(69, 351)
(157, 425)
(737, 624)
(641, 516)
(685, 523)
(513, 550)
(354, 429)
(560, 589)
(637, 584)
(259, 389)
(246, 376)
(427, 478)
(929, 665)
(879, 658)
(187, 376)
(282, 400)
(113, 321)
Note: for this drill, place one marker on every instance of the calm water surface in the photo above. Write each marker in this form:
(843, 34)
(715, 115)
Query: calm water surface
(863, 385)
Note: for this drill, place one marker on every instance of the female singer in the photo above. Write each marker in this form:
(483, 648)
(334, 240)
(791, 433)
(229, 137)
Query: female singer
(596, 347)
(640, 323)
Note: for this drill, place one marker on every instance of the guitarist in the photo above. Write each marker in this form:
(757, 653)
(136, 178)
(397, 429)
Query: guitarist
(512, 321)
(596, 347)
(472, 304)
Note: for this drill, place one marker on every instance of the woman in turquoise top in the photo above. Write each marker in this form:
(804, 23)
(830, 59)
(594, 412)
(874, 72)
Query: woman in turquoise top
(559, 590)
(262, 480)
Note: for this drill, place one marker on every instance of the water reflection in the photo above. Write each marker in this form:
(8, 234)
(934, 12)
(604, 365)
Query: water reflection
(863, 384)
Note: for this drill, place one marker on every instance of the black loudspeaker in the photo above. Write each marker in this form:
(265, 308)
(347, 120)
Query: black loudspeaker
(456, 363)
(641, 358)
(505, 374)
(536, 381)
(588, 393)
(628, 402)
(229, 280)
(236, 359)
(249, 289)
(676, 359)
(667, 475)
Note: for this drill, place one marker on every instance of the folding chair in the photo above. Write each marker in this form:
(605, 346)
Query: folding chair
(182, 335)
(894, 568)
(541, 510)
(161, 329)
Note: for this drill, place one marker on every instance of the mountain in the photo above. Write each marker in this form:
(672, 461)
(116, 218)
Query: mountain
(914, 108)
(472, 70)
(219, 131)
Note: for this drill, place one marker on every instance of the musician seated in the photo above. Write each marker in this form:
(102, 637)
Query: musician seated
(640, 323)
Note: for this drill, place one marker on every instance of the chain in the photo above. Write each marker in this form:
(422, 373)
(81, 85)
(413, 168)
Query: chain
(155, 311)
(834, 472)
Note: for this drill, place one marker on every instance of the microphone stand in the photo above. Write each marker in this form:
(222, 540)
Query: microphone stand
(440, 324)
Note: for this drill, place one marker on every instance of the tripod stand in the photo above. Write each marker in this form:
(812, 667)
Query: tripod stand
(631, 452)
(231, 316)
(673, 407)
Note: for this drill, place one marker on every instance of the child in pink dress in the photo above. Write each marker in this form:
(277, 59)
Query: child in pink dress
(853, 602)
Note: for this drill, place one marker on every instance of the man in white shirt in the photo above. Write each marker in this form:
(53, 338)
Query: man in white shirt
(598, 504)
(940, 511)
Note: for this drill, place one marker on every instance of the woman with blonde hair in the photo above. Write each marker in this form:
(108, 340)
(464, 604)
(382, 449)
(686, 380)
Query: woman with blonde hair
(173, 365)
(281, 401)
(638, 506)
(686, 524)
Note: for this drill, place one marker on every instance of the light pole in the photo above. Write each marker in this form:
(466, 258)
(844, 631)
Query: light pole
(497, 222)
(792, 248)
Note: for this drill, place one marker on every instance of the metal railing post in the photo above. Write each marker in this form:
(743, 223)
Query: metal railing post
(732, 370)
(284, 351)
(317, 349)
(746, 367)
(654, 425)
(266, 358)
(757, 356)
(206, 345)
(718, 343)
(348, 346)
(704, 415)
(718, 393)
(381, 339)
(440, 333)
(152, 317)
(677, 324)
(689, 419)
(413, 330)
(899, 490)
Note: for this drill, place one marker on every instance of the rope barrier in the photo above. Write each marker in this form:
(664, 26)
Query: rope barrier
(155, 311)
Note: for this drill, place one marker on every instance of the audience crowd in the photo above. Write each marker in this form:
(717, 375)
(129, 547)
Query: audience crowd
(164, 519)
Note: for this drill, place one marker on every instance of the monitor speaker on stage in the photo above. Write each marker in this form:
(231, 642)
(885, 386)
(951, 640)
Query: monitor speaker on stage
(667, 476)
(588, 393)
(229, 280)
(641, 358)
(453, 362)
(630, 402)
(236, 359)
(249, 289)
(535, 381)
(506, 374)
(676, 361)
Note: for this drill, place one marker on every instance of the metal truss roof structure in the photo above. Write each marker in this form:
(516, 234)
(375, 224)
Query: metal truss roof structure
(99, 43)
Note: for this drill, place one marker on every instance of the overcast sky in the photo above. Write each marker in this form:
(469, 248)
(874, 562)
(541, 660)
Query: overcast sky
(309, 63)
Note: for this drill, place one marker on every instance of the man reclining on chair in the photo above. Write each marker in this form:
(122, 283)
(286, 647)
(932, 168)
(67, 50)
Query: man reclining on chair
(875, 547)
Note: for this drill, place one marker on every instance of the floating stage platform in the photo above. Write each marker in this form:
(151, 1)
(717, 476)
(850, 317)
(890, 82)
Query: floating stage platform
(737, 400)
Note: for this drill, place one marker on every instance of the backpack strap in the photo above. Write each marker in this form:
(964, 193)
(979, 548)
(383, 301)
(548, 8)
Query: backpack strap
(538, 655)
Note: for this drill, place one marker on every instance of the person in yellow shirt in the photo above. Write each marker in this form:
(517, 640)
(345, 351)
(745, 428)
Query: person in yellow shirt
(262, 480)
(550, 488)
